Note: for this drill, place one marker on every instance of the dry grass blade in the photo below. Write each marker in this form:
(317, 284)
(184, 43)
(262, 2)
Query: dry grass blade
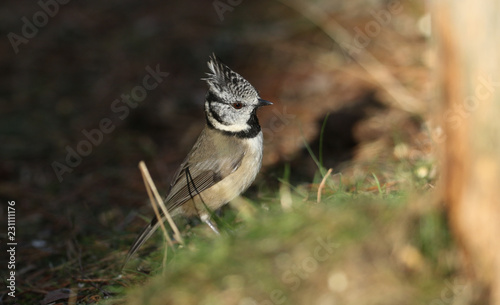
(156, 200)
(322, 184)
(149, 184)
(285, 197)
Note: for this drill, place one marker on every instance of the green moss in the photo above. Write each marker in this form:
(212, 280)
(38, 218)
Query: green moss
(280, 257)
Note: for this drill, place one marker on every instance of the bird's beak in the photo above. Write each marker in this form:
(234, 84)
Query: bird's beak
(263, 103)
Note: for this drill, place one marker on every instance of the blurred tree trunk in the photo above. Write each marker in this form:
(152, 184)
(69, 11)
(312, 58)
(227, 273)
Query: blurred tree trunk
(468, 54)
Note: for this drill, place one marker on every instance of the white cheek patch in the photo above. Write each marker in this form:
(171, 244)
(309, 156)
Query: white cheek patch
(230, 128)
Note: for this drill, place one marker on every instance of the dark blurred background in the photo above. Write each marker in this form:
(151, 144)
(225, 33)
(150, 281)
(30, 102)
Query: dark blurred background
(66, 77)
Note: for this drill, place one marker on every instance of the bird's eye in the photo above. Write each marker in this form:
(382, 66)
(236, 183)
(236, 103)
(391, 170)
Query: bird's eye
(237, 105)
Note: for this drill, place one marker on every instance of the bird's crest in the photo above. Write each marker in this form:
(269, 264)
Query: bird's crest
(222, 79)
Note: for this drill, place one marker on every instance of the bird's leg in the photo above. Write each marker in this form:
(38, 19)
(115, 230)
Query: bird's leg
(206, 219)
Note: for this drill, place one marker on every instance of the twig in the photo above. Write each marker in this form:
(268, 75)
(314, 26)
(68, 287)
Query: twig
(322, 184)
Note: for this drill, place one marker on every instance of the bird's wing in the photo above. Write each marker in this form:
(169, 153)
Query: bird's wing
(213, 157)
(195, 177)
(206, 164)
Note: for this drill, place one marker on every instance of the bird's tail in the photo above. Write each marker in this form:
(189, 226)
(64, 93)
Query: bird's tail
(142, 238)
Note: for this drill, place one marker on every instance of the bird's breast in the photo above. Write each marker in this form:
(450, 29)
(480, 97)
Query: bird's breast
(235, 183)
